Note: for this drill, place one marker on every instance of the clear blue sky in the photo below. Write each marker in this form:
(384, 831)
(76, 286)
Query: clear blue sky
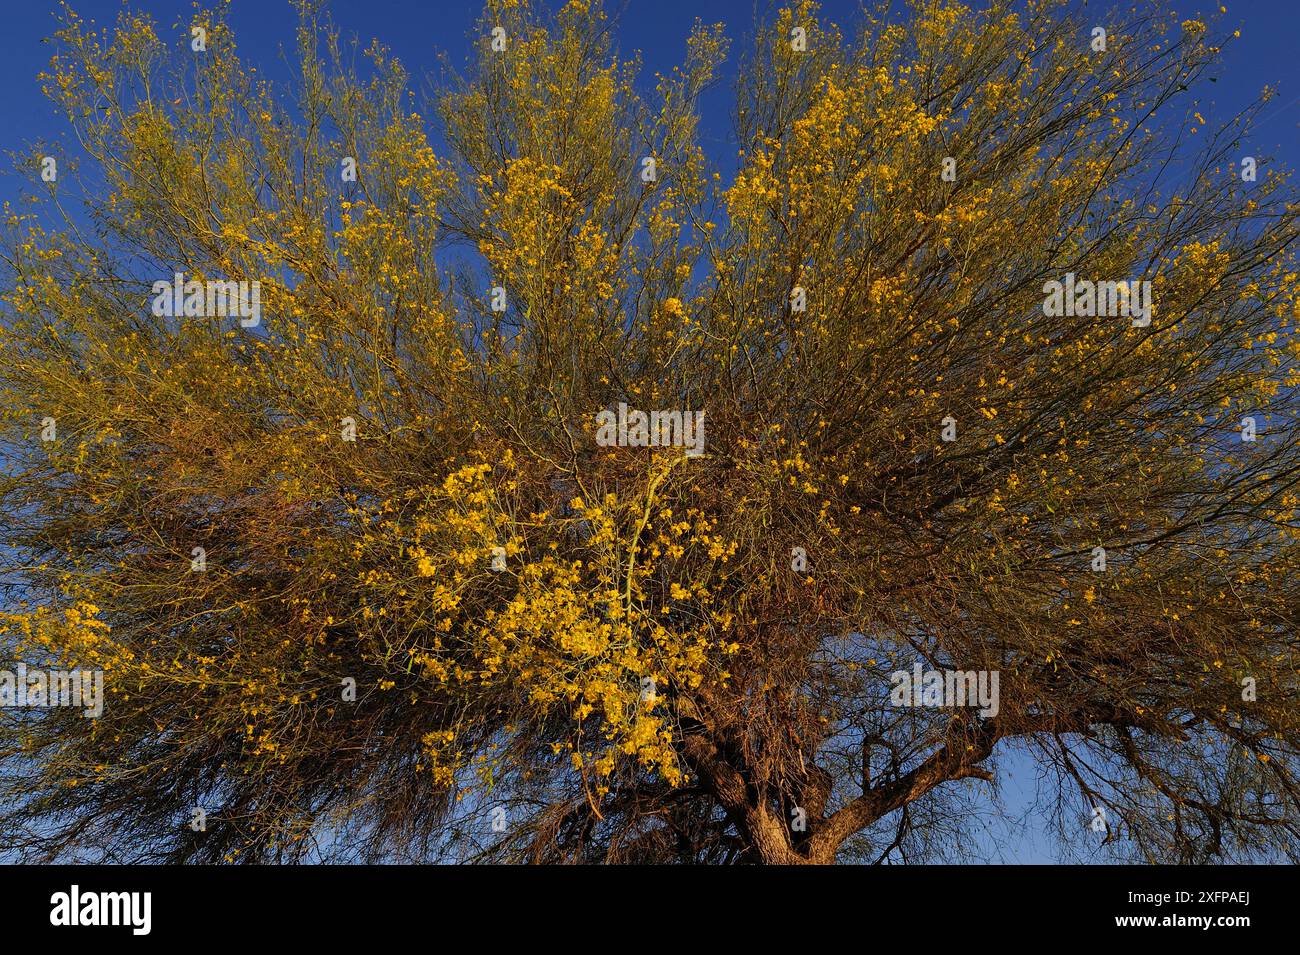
(416, 30)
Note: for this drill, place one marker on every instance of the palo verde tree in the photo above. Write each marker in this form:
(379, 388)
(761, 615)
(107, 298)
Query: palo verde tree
(495, 479)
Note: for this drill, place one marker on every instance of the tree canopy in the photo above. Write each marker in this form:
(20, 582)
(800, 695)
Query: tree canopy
(365, 582)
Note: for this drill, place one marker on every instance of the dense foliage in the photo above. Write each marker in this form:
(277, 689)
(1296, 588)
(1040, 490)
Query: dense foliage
(568, 651)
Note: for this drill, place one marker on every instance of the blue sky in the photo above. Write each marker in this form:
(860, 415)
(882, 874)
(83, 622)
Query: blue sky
(416, 30)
